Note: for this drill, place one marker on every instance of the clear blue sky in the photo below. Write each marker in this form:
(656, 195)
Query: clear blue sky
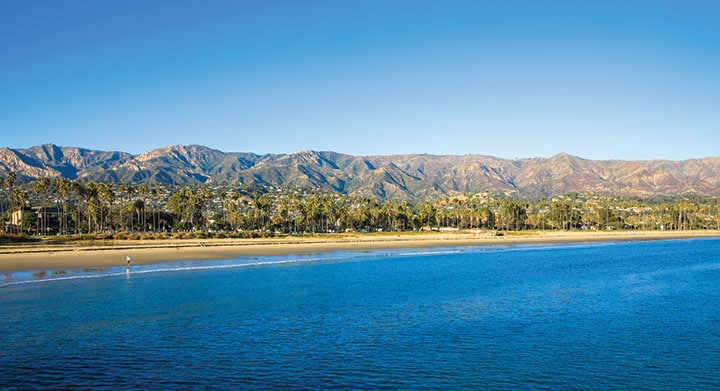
(602, 80)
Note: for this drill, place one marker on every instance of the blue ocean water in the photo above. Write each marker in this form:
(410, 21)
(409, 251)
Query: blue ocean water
(633, 315)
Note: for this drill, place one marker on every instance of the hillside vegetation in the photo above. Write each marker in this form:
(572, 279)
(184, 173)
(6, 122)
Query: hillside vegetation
(402, 177)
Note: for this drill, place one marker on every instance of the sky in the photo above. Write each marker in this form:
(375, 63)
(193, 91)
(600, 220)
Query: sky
(630, 80)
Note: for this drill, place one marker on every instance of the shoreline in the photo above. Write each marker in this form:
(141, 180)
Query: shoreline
(16, 258)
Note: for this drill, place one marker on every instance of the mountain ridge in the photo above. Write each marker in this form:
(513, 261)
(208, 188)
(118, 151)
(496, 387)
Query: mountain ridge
(399, 176)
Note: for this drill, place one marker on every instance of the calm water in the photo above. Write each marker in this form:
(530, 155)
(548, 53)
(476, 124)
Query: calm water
(638, 315)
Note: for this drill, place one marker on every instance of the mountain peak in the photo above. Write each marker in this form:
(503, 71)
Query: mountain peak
(564, 155)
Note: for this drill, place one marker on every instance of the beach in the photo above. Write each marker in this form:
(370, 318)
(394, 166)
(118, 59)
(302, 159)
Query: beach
(23, 257)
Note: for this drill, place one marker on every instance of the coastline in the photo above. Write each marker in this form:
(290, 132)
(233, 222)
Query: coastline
(14, 258)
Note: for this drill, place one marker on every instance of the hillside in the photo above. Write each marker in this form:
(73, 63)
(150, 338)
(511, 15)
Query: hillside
(399, 176)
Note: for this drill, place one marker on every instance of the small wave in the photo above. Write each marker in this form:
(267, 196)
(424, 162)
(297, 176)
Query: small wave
(30, 277)
(429, 252)
(26, 277)
(63, 278)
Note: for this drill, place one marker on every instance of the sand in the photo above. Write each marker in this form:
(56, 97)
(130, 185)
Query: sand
(84, 255)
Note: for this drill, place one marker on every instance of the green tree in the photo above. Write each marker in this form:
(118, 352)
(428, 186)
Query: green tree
(189, 206)
(41, 187)
(513, 215)
(63, 187)
(105, 199)
(427, 214)
(10, 183)
(143, 192)
(263, 206)
(609, 219)
(181, 203)
(565, 215)
(20, 200)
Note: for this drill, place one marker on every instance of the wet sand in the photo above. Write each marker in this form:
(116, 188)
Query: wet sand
(114, 253)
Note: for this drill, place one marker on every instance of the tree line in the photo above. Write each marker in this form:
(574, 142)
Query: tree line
(61, 206)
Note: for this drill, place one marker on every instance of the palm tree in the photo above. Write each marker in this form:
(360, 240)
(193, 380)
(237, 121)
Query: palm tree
(10, 183)
(189, 205)
(139, 208)
(106, 193)
(63, 187)
(20, 199)
(130, 190)
(178, 204)
(143, 191)
(285, 207)
(42, 185)
(155, 192)
(203, 195)
(89, 193)
(340, 211)
(427, 214)
(230, 209)
(263, 206)
(487, 217)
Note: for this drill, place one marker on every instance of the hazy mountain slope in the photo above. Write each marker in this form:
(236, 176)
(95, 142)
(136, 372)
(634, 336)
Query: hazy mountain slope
(25, 166)
(401, 176)
(72, 162)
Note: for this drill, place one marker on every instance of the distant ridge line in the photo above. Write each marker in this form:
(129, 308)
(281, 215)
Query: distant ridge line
(405, 176)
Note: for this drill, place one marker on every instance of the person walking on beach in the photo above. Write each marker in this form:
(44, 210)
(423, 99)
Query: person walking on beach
(128, 262)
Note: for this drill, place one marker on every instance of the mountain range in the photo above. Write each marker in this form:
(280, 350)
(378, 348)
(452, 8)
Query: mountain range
(399, 176)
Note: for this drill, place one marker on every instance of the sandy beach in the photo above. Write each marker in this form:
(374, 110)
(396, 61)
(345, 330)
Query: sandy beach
(18, 257)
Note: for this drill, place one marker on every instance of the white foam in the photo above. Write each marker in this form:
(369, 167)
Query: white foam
(169, 268)
(339, 256)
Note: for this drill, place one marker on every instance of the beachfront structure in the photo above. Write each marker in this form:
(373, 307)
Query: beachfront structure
(39, 220)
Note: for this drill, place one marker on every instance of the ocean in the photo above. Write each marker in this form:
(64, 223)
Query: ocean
(624, 315)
